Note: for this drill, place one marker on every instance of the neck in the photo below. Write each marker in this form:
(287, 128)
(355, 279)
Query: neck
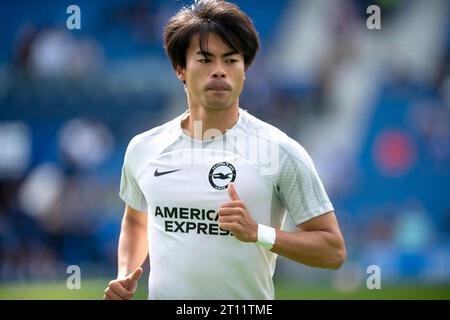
(205, 123)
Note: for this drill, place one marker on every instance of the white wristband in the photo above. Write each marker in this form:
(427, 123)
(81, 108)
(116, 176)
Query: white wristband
(266, 236)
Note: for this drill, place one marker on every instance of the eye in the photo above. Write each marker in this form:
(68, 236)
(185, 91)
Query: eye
(203, 60)
(230, 61)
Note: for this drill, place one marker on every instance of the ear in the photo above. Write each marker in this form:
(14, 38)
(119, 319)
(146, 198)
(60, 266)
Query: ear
(181, 73)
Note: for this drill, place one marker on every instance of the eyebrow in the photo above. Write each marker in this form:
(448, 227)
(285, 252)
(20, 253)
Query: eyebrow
(209, 54)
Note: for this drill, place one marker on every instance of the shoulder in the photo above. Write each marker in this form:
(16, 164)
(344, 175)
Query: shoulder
(149, 136)
(256, 127)
(149, 143)
(286, 146)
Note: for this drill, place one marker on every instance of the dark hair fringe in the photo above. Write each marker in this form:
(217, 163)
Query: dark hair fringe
(203, 17)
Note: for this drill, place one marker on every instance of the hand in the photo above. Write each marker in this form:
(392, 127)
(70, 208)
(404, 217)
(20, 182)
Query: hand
(234, 217)
(123, 289)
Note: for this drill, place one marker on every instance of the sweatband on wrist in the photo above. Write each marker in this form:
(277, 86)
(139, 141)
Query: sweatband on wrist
(266, 236)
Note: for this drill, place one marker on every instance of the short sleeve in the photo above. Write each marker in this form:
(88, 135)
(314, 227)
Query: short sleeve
(130, 192)
(298, 185)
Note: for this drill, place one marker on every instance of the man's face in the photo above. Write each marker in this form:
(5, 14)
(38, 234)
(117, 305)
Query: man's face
(216, 80)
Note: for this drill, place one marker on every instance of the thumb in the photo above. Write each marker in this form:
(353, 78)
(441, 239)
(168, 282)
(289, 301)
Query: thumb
(232, 192)
(136, 274)
(133, 277)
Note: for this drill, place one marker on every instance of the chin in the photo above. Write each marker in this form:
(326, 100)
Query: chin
(218, 105)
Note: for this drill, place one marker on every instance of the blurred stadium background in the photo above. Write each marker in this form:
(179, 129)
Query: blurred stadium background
(371, 106)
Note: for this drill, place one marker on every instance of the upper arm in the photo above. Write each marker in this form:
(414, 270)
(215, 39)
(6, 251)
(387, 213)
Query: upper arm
(299, 186)
(325, 222)
(130, 191)
(135, 216)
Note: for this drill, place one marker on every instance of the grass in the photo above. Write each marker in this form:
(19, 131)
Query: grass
(389, 292)
(93, 289)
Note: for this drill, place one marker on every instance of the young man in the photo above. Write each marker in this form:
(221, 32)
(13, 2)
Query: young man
(207, 193)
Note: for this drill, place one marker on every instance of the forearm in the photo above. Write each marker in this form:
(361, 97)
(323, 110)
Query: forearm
(319, 244)
(321, 249)
(133, 247)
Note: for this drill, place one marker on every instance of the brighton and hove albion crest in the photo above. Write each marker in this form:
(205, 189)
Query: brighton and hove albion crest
(221, 174)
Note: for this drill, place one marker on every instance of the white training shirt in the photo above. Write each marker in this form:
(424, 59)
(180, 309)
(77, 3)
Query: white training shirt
(181, 182)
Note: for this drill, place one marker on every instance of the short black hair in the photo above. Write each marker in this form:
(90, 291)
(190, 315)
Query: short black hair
(203, 17)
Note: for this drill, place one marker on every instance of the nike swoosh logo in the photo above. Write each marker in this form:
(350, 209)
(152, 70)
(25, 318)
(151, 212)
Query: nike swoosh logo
(157, 173)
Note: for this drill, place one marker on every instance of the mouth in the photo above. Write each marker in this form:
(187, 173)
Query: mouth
(218, 92)
(218, 87)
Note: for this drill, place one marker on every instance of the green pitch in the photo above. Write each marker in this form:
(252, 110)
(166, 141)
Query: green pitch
(93, 289)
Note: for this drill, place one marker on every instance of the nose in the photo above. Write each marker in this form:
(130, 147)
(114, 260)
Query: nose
(218, 71)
